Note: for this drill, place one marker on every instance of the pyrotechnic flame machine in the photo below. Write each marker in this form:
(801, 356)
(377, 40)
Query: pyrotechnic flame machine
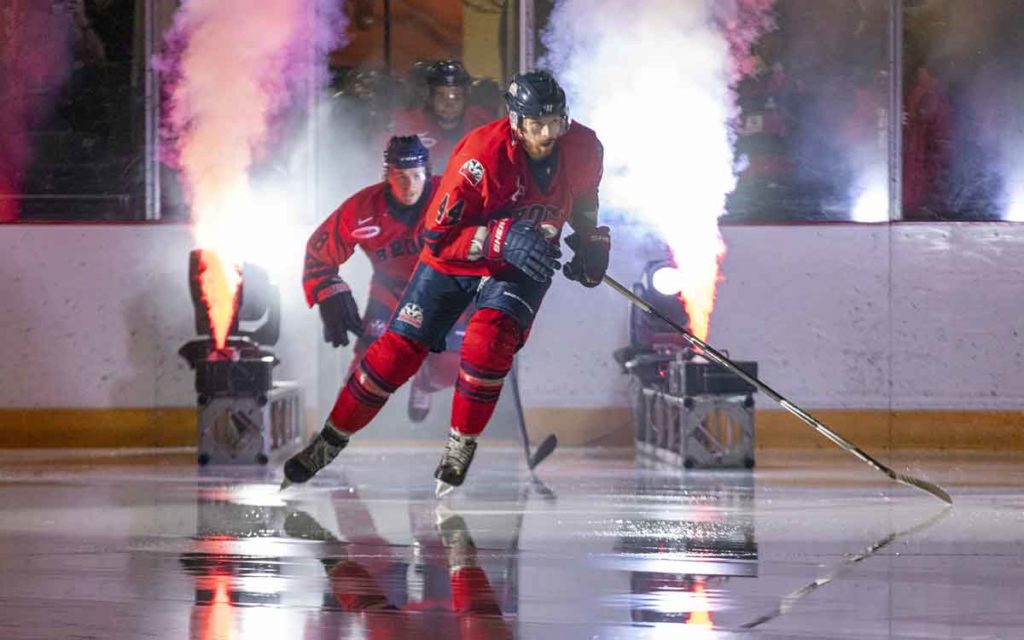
(714, 355)
(243, 414)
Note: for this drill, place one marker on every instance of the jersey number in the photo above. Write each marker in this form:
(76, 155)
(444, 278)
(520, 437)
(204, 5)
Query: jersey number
(449, 216)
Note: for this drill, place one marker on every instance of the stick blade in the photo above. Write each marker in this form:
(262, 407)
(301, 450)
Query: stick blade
(544, 449)
(924, 485)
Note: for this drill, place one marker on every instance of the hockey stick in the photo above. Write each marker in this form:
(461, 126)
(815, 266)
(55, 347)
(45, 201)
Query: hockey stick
(545, 448)
(788, 602)
(713, 354)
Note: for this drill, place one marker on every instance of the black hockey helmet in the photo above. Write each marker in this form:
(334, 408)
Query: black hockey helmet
(534, 94)
(406, 152)
(447, 73)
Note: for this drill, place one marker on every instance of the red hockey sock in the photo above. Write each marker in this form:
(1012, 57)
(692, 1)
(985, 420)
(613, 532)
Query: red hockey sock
(472, 592)
(355, 589)
(388, 363)
(492, 339)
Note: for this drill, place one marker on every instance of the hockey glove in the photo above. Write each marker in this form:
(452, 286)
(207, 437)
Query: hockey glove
(340, 316)
(590, 256)
(524, 247)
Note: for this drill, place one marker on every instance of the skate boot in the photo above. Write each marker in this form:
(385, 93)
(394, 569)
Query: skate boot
(419, 401)
(317, 455)
(451, 471)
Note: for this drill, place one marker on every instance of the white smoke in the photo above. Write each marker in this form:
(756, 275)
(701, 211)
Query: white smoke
(654, 79)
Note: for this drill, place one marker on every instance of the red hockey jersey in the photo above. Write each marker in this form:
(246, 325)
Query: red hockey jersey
(439, 141)
(367, 220)
(489, 177)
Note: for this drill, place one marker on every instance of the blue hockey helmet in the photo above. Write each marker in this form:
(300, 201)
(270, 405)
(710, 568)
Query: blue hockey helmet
(534, 94)
(406, 152)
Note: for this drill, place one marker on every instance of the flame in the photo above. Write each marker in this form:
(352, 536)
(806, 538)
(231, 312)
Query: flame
(220, 286)
(233, 69)
(657, 88)
(700, 615)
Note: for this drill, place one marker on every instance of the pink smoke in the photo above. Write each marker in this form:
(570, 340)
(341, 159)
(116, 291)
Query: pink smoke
(743, 22)
(30, 74)
(233, 70)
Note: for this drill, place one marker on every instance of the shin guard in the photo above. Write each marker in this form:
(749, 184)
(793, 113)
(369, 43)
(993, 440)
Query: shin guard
(492, 339)
(388, 363)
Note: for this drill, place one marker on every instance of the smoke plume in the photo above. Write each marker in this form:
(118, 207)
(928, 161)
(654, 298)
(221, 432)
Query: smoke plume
(657, 86)
(236, 71)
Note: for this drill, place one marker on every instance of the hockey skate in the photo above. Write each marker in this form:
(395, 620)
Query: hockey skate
(419, 401)
(451, 471)
(318, 454)
(455, 537)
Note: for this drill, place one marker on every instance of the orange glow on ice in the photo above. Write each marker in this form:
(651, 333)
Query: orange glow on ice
(220, 623)
(702, 616)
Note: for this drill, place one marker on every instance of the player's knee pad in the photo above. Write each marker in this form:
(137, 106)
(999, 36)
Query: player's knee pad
(492, 339)
(389, 363)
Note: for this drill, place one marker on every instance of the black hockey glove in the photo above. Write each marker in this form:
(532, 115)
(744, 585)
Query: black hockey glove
(340, 316)
(521, 245)
(590, 256)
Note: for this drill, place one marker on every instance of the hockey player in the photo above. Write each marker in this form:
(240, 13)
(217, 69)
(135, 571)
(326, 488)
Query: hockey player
(447, 116)
(492, 234)
(385, 220)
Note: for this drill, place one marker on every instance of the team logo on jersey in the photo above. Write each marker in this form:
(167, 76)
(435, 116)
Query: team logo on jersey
(537, 213)
(427, 141)
(472, 171)
(411, 314)
(365, 233)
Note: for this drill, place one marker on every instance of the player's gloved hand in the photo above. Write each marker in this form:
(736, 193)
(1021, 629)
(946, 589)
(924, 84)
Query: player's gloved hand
(340, 315)
(590, 256)
(523, 246)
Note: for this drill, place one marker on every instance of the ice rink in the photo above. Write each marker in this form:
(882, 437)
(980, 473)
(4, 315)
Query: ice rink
(812, 544)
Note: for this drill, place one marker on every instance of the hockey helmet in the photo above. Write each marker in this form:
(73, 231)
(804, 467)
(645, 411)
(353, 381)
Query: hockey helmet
(534, 94)
(406, 152)
(447, 73)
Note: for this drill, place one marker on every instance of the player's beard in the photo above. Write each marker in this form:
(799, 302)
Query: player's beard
(539, 150)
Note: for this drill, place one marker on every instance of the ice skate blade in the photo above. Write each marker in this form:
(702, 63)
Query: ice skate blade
(442, 489)
(285, 484)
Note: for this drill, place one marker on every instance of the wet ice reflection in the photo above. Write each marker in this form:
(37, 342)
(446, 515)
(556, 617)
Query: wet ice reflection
(601, 548)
